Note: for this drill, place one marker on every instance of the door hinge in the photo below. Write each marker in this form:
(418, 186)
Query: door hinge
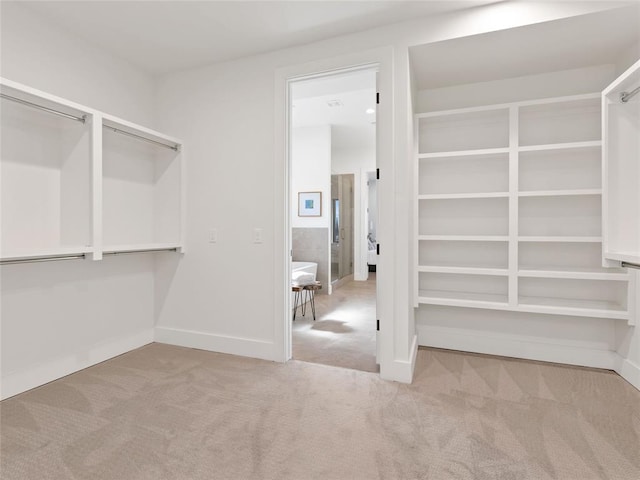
(377, 325)
(377, 174)
(377, 98)
(377, 249)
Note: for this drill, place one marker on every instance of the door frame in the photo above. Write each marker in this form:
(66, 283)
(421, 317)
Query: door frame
(382, 60)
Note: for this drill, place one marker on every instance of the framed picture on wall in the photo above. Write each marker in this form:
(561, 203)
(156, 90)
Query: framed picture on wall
(309, 204)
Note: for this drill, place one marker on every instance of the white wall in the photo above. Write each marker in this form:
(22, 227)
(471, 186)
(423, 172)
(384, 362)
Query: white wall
(311, 172)
(59, 317)
(225, 113)
(358, 162)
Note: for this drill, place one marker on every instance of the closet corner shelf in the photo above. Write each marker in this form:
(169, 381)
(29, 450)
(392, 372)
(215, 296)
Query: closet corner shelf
(560, 146)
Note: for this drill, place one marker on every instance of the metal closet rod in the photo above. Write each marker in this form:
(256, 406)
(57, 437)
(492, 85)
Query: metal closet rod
(52, 258)
(81, 119)
(140, 137)
(150, 250)
(629, 265)
(626, 96)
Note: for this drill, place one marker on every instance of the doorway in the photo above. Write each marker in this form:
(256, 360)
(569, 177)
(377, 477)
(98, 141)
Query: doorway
(332, 138)
(342, 237)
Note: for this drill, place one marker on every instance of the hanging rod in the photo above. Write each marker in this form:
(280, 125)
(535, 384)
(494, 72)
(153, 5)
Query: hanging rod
(629, 265)
(52, 258)
(626, 96)
(140, 137)
(81, 119)
(149, 250)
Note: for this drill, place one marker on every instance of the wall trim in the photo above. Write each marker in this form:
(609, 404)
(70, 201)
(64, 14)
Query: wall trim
(401, 370)
(629, 371)
(36, 376)
(516, 347)
(246, 347)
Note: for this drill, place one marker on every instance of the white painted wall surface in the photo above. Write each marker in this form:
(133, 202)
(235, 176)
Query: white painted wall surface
(311, 172)
(59, 317)
(225, 114)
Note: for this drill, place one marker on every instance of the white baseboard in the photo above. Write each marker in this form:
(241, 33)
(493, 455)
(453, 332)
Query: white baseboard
(401, 370)
(517, 347)
(630, 372)
(245, 347)
(21, 381)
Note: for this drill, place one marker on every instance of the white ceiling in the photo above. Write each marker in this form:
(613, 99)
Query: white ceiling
(163, 36)
(587, 40)
(351, 126)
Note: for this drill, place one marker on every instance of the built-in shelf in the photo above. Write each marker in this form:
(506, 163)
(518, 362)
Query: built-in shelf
(46, 253)
(75, 178)
(560, 239)
(561, 146)
(463, 270)
(467, 238)
(560, 193)
(481, 152)
(521, 183)
(582, 307)
(621, 169)
(455, 196)
(578, 274)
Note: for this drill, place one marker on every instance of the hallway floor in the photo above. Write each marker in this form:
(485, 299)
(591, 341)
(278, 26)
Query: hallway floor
(344, 333)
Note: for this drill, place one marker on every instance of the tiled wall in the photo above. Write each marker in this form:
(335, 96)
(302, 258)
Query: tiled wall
(312, 245)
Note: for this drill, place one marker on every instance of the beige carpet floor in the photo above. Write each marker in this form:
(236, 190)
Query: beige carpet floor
(344, 332)
(164, 412)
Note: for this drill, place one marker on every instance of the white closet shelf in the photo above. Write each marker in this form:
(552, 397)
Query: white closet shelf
(43, 99)
(47, 252)
(109, 121)
(631, 257)
(571, 273)
(468, 238)
(560, 239)
(560, 193)
(463, 270)
(577, 307)
(464, 153)
(549, 306)
(454, 196)
(463, 299)
(144, 247)
(560, 146)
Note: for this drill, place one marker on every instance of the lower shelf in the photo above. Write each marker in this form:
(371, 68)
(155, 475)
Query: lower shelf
(547, 306)
(13, 256)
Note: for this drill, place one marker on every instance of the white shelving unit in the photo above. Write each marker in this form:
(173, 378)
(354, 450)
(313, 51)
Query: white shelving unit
(509, 210)
(73, 187)
(621, 169)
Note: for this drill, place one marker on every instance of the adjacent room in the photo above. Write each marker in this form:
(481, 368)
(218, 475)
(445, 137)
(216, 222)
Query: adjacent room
(300, 240)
